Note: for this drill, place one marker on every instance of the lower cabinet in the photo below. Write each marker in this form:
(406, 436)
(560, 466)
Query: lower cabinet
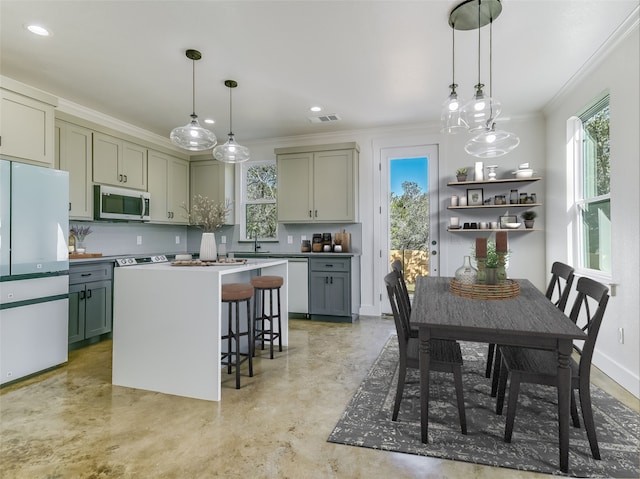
(90, 300)
(330, 287)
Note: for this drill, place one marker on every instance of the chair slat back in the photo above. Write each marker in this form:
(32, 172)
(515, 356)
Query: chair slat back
(405, 301)
(400, 316)
(565, 272)
(589, 290)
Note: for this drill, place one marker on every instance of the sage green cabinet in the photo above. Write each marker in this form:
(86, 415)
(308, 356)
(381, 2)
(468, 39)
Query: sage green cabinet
(318, 184)
(119, 163)
(74, 154)
(26, 124)
(90, 300)
(215, 180)
(330, 287)
(168, 184)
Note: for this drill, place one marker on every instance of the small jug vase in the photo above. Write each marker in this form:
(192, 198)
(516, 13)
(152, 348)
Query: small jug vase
(466, 273)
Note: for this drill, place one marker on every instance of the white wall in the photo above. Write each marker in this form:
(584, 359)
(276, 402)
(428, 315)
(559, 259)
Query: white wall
(618, 73)
(528, 250)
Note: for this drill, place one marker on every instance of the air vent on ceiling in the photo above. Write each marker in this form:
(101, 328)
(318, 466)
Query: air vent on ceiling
(324, 118)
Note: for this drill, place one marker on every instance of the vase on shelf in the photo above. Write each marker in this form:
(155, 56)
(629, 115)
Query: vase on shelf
(80, 248)
(466, 273)
(208, 249)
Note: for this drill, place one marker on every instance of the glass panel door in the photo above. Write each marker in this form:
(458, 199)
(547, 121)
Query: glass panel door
(410, 222)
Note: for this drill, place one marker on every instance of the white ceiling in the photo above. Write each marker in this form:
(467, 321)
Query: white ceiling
(373, 63)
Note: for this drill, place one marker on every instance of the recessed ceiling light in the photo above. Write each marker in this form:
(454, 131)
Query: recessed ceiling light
(316, 108)
(39, 30)
(209, 120)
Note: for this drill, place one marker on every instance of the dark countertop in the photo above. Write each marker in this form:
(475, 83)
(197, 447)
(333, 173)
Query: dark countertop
(239, 254)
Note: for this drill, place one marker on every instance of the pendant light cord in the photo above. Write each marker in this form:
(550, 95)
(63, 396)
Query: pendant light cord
(193, 86)
(230, 112)
(479, 82)
(453, 56)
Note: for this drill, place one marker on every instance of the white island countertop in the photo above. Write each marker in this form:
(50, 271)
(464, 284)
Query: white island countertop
(168, 322)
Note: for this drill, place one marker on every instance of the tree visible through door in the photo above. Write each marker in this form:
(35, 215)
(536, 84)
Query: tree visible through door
(409, 216)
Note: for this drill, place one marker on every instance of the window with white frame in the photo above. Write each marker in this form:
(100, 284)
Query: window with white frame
(259, 193)
(592, 188)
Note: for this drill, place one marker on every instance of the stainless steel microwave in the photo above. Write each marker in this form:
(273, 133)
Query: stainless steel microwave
(110, 203)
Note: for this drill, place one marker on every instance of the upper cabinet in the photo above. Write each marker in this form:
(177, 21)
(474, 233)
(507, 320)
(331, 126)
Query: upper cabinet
(119, 163)
(169, 188)
(74, 155)
(26, 123)
(318, 184)
(215, 180)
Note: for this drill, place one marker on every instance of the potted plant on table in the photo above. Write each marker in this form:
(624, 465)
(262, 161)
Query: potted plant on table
(529, 218)
(461, 174)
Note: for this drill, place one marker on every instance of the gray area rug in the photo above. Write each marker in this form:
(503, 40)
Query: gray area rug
(367, 422)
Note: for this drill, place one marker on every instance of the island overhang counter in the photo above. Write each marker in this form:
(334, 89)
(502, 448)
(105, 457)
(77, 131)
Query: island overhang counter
(168, 322)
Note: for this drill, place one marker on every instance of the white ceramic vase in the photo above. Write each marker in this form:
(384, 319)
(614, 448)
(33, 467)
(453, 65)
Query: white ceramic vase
(208, 249)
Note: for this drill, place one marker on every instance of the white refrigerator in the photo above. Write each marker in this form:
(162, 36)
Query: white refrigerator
(34, 269)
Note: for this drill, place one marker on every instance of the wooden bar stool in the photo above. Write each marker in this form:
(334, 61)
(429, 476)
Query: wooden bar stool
(234, 294)
(270, 284)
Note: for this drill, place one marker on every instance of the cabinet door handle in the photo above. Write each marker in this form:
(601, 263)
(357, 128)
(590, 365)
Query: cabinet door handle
(328, 266)
(69, 206)
(331, 279)
(120, 178)
(125, 178)
(89, 294)
(83, 295)
(86, 274)
(310, 214)
(316, 211)
(168, 214)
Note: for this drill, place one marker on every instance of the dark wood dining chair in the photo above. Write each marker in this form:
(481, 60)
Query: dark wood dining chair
(534, 366)
(446, 356)
(562, 276)
(405, 299)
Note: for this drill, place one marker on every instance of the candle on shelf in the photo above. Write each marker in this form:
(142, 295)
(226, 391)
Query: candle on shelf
(501, 241)
(462, 201)
(454, 200)
(455, 221)
(481, 247)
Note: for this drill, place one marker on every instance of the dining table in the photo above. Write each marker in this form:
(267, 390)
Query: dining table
(526, 320)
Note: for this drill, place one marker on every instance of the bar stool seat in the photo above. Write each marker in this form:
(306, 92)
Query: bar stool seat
(263, 284)
(236, 293)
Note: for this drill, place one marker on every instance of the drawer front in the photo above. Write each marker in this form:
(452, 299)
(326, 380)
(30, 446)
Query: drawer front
(90, 272)
(330, 264)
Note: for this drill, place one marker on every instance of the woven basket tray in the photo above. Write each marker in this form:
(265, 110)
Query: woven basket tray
(509, 289)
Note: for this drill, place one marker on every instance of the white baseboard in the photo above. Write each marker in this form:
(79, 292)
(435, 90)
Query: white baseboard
(623, 376)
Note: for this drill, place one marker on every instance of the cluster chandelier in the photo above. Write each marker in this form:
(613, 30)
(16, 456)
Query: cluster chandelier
(478, 115)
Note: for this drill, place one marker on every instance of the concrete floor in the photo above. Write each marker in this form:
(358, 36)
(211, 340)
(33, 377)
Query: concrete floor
(72, 423)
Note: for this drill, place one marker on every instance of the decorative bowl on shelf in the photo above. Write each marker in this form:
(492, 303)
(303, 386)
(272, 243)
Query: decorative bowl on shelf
(512, 226)
(524, 173)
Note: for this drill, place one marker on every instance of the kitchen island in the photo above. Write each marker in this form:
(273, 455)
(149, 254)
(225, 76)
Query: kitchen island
(168, 322)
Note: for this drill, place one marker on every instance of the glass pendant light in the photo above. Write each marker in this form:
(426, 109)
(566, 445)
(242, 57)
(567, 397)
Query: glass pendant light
(231, 152)
(482, 110)
(492, 143)
(452, 121)
(192, 136)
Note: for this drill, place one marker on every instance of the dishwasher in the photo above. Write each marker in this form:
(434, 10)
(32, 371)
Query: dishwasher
(298, 286)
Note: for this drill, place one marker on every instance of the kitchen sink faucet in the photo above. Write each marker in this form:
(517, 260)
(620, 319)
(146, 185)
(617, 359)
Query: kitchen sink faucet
(256, 246)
